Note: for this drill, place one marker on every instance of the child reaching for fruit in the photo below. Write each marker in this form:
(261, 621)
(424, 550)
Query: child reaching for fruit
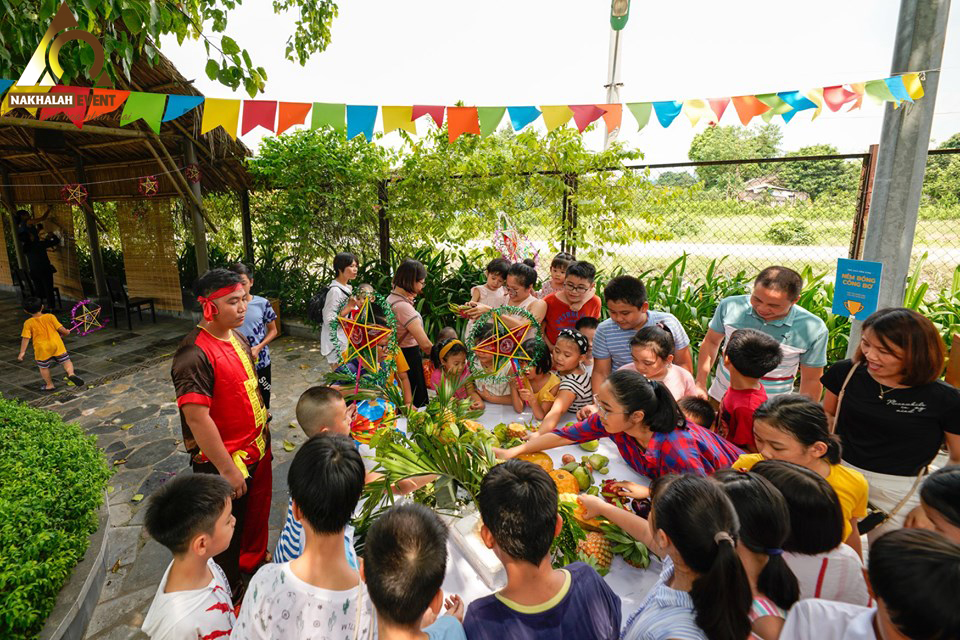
(449, 359)
(574, 391)
(539, 383)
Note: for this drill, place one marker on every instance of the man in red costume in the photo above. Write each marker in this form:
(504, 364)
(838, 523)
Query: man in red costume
(224, 419)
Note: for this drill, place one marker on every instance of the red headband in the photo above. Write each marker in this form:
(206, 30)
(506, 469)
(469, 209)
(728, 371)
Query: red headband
(210, 309)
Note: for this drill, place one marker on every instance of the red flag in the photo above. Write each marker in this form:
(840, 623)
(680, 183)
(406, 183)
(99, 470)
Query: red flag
(292, 113)
(585, 114)
(258, 113)
(434, 111)
(462, 120)
(104, 101)
(718, 106)
(75, 114)
(835, 97)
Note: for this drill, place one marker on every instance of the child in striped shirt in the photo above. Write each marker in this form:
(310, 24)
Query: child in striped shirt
(575, 390)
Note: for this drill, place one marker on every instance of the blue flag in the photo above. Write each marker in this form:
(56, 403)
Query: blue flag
(522, 116)
(360, 119)
(179, 105)
(667, 111)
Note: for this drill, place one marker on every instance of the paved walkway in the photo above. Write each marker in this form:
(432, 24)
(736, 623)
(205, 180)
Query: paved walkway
(134, 418)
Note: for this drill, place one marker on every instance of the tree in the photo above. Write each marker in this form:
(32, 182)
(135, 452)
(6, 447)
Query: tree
(733, 143)
(941, 183)
(130, 29)
(676, 179)
(818, 177)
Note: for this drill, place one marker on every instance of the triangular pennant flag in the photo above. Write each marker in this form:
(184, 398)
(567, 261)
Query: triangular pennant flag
(149, 107)
(667, 111)
(718, 106)
(490, 118)
(360, 119)
(897, 88)
(4, 85)
(879, 92)
(641, 111)
(258, 113)
(291, 113)
(585, 115)
(180, 105)
(911, 81)
(105, 101)
(398, 118)
(556, 116)
(326, 114)
(796, 100)
(858, 88)
(612, 116)
(522, 116)
(220, 113)
(837, 96)
(435, 111)
(697, 109)
(462, 120)
(777, 106)
(816, 97)
(74, 114)
(748, 107)
(5, 107)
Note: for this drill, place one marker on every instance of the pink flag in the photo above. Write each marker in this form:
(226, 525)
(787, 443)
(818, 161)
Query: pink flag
(434, 111)
(585, 114)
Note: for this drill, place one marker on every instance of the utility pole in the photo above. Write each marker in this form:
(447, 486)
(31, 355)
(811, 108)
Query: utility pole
(902, 158)
(619, 13)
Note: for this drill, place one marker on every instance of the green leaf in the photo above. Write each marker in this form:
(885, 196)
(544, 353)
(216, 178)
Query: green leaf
(132, 20)
(288, 446)
(213, 69)
(229, 45)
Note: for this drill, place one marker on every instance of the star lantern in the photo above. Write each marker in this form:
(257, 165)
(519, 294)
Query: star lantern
(74, 193)
(192, 173)
(86, 317)
(363, 335)
(505, 345)
(148, 186)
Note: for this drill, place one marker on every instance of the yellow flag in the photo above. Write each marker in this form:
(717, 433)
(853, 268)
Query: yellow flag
(912, 83)
(398, 118)
(220, 113)
(556, 116)
(696, 109)
(816, 96)
(24, 89)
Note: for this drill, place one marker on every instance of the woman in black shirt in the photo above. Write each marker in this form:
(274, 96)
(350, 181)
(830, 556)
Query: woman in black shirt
(895, 411)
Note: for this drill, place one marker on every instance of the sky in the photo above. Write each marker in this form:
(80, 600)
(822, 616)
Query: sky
(519, 52)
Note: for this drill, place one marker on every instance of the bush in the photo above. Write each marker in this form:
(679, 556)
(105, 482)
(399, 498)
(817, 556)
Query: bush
(52, 481)
(790, 232)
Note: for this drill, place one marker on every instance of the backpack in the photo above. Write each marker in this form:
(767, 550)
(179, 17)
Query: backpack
(315, 306)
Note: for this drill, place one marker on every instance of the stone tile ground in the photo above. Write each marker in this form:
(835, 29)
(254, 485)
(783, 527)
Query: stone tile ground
(131, 409)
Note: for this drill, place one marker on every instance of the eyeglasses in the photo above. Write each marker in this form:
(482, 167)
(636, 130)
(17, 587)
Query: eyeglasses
(575, 289)
(602, 411)
(511, 291)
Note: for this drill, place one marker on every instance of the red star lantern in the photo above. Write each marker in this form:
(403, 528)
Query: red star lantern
(192, 173)
(505, 345)
(74, 193)
(148, 186)
(363, 335)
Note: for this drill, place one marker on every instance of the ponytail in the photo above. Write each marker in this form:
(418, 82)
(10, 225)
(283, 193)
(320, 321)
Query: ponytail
(635, 393)
(801, 418)
(721, 591)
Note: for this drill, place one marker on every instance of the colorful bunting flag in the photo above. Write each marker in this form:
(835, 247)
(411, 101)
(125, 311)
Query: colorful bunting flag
(490, 118)
(858, 88)
(74, 114)
(816, 97)
(640, 111)
(748, 107)
(258, 113)
(697, 109)
(179, 105)
(290, 114)
(326, 114)
(522, 116)
(360, 119)
(555, 116)
(585, 114)
(434, 111)
(5, 106)
(612, 116)
(219, 113)
(398, 118)
(778, 106)
(148, 107)
(105, 101)
(879, 92)
(910, 80)
(462, 120)
(718, 106)
(837, 96)
(897, 88)
(667, 111)
(4, 85)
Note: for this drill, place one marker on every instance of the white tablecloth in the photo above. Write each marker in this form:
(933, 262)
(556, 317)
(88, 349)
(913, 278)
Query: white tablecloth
(627, 582)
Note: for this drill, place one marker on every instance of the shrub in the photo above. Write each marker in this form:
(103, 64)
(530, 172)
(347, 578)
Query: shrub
(790, 232)
(52, 481)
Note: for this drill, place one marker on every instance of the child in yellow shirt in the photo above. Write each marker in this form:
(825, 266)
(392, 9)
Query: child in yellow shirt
(48, 349)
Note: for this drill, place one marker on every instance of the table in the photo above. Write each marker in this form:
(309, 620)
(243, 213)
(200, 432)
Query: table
(631, 584)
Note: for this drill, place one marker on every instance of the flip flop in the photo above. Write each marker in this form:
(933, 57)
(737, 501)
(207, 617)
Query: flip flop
(44, 389)
(76, 380)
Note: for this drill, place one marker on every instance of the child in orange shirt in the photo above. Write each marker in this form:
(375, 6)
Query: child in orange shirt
(48, 349)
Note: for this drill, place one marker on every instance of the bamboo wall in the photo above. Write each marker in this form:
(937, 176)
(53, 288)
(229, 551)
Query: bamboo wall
(149, 251)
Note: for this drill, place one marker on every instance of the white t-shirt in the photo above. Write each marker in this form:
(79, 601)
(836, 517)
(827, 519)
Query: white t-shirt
(188, 615)
(336, 295)
(825, 620)
(835, 575)
(278, 604)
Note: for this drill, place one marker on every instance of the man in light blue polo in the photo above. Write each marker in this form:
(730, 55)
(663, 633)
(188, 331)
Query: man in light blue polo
(770, 308)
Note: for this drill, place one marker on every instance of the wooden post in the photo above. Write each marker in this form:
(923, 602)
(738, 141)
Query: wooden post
(864, 194)
(384, 222)
(247, 225)
(953, 362)
(10, 202)
(93, 237)
(199, 232)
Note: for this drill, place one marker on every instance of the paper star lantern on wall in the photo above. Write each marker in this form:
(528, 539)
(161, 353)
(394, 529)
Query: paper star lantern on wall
(74, 193)
(148, 186)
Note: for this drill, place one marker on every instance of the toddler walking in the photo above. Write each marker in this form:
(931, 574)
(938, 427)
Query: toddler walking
(48, 348)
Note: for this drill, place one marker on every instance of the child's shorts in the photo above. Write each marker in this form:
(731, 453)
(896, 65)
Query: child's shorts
(49, 362)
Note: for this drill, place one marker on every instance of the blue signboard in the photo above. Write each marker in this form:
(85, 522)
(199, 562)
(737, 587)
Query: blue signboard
(857, 290)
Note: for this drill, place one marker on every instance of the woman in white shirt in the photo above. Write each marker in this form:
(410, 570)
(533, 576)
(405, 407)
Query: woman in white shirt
(345, 266)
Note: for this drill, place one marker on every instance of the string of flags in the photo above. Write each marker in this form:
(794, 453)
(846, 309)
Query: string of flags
(353, 120)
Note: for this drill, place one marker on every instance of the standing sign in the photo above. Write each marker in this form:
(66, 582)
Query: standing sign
(857, 290)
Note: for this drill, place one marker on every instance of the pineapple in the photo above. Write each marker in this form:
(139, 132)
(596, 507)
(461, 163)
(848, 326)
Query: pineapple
(598, 548)
(633, 552)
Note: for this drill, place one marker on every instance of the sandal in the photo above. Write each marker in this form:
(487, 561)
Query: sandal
(45, 389)
(76, 380)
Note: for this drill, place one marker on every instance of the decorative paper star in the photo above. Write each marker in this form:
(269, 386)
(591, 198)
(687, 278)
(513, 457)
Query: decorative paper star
(87, 318)
(363, 337)
(74, 193)
(149, 186)
(505, 344)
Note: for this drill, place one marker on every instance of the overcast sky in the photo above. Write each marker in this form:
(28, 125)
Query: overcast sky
(500, 53)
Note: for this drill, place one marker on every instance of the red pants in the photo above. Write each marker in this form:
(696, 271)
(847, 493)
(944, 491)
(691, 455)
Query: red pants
(248, 548)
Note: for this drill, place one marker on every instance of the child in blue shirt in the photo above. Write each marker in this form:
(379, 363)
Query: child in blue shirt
(259, 328)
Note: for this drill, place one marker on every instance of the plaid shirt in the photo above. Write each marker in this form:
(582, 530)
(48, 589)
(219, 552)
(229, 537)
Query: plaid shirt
(684, 450)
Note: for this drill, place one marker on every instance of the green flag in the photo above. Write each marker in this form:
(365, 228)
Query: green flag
(327, 114)
(490, 118)
(148, 106)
